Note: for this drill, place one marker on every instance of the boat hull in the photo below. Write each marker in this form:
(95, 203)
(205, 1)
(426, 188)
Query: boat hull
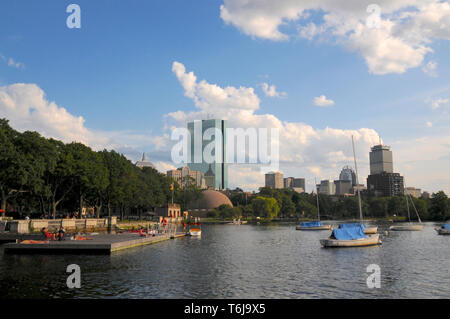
(195, 232)
(442, 231)
(335, 243)
(324, 227)
(370, 230)
(406, 228)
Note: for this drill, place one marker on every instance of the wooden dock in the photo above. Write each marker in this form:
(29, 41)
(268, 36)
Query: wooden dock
(104, 244)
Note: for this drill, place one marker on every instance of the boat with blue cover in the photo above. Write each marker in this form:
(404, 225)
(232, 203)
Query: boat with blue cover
(352, 234)
(315, 225)
(444, 230)
(350, 237)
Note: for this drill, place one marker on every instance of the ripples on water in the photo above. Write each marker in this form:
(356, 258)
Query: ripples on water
(242, 261)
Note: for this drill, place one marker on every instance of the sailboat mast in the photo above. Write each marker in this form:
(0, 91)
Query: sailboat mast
(407, 207)
(317, 190)
(357, 182)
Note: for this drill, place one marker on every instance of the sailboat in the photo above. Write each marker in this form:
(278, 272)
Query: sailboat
(351, 235)
(411, 226)
(317, 225)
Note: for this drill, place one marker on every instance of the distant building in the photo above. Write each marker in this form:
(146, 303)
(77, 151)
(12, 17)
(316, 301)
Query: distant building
(209, 200)
(381, 160)
(172, 210)
(144, 163)
(414, 192)
(297, 184)
(218, 169)
(347, 174)
(210, 178)
(385, 184)
(343, 187)
(326, 187)
(382, 180)
(185, 176)
(274, 180)
(425, 195)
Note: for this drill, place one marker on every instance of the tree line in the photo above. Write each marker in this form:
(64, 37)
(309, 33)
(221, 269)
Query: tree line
(46, 177)
(285, 203)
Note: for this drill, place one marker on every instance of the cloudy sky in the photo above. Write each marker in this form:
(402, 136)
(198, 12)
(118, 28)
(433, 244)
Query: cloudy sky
(318, 70)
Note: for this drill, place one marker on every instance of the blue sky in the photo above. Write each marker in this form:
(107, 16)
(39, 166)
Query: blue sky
(116, 71)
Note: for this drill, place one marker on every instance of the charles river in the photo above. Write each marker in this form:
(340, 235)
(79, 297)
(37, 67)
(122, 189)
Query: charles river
(242, 261)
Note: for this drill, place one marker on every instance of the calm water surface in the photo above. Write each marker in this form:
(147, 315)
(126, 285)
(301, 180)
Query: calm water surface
(242, 261)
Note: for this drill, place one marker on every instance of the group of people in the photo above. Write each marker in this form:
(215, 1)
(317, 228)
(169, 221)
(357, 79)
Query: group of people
(58, 235)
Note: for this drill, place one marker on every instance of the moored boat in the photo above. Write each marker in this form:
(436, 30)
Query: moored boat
(406, 227)
(195, 230)
(444, 230)
(352, 234)
(359, 242)
(313, 226)
(410, 226)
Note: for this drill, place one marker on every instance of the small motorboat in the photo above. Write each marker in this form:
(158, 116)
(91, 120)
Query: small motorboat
(195, 230)
(444, 230)
(313, 226)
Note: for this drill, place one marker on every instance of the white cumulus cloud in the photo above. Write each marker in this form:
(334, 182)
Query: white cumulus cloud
(401, 39)
(271, 91)
(323, 101)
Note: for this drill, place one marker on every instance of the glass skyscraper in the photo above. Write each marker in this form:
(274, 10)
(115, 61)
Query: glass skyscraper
(215, 171)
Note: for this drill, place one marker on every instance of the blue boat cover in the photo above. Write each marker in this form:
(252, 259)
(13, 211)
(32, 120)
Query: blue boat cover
(352, 225)
(348, 233)
(311, 224)
(446, 226)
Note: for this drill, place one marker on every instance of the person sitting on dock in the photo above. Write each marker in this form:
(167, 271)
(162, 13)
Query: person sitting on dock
(47, 235)
(143, 232)
(61, 233)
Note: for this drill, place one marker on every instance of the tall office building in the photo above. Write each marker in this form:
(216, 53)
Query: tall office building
(382, 180)
(274, 180)
(296, 184)
(327, 187)
(343, 187)
(347, 174)
(381, 160)
(215, 171)
(185, 176)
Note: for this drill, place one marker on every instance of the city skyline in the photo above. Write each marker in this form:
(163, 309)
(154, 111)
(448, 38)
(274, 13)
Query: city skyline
(87, 86)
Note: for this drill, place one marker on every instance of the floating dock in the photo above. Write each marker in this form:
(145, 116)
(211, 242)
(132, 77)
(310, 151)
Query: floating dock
(101, 244)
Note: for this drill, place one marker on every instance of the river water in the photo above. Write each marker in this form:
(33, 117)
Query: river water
(242, 261)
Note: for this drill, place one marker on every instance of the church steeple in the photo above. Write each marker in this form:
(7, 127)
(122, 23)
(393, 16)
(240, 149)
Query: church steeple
(143, 158)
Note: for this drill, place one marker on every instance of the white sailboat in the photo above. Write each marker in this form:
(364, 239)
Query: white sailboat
(351, 236)
(317, 225)
(410, 226)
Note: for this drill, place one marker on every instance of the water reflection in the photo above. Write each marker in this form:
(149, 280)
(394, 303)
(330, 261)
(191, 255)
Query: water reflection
(242, 261)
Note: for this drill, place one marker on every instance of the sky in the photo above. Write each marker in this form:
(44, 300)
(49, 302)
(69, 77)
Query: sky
(320, 71)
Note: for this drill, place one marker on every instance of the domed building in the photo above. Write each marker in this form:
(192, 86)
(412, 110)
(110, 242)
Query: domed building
(211, 199)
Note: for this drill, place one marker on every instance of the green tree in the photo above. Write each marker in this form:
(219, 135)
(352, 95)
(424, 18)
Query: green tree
(266, 207)
(439, 206)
